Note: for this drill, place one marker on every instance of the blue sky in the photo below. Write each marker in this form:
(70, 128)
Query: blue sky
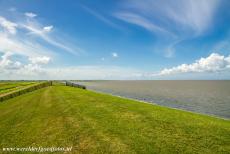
(122, 39)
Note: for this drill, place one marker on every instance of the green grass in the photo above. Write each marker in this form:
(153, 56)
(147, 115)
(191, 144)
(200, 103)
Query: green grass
(98, 123)
(6, 87)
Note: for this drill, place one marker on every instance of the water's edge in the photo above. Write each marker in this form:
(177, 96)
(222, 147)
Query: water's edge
(205, 97)
(152, 103)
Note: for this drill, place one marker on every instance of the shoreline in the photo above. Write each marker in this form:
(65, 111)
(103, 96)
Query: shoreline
(152, 103)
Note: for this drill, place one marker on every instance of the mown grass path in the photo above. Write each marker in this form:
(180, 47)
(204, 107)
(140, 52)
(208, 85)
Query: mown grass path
(98, 123)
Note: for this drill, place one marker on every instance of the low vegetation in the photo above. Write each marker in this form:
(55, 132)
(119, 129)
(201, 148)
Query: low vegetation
(19, 90)
(6, 87)
(89, 122)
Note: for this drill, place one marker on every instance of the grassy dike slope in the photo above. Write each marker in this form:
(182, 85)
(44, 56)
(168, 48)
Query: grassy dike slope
(98, 123)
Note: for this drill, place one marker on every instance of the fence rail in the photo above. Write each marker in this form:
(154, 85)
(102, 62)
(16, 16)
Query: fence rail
(71, 84)
(24, 90)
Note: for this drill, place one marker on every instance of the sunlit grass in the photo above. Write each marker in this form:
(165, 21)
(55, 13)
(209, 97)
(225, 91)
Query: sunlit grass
(98, 123)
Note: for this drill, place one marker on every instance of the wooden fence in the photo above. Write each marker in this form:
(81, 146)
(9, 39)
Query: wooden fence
(71, 84)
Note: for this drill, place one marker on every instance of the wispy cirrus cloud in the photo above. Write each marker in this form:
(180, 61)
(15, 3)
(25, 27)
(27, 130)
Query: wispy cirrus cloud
(22, 43)
(142, 22)
(101, 17)
(15, 43)
(8, 25)
(171, 21)
(43, 32)
(24, 47)
(178, 15)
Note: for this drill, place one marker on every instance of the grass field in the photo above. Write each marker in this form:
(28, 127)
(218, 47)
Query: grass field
(90, 122)
(6, 87)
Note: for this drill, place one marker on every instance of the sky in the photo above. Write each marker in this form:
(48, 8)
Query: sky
(115, 39)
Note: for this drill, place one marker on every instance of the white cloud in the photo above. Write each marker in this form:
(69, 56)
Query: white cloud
(115, 55)
(213, 63)
(8, 25)
(31, 70)
(11, 69)
(40, 60)
(36, 69)
(30, 14)
(7, 63)
(48, 28)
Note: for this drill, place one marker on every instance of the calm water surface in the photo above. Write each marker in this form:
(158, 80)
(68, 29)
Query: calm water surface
(208, 97)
